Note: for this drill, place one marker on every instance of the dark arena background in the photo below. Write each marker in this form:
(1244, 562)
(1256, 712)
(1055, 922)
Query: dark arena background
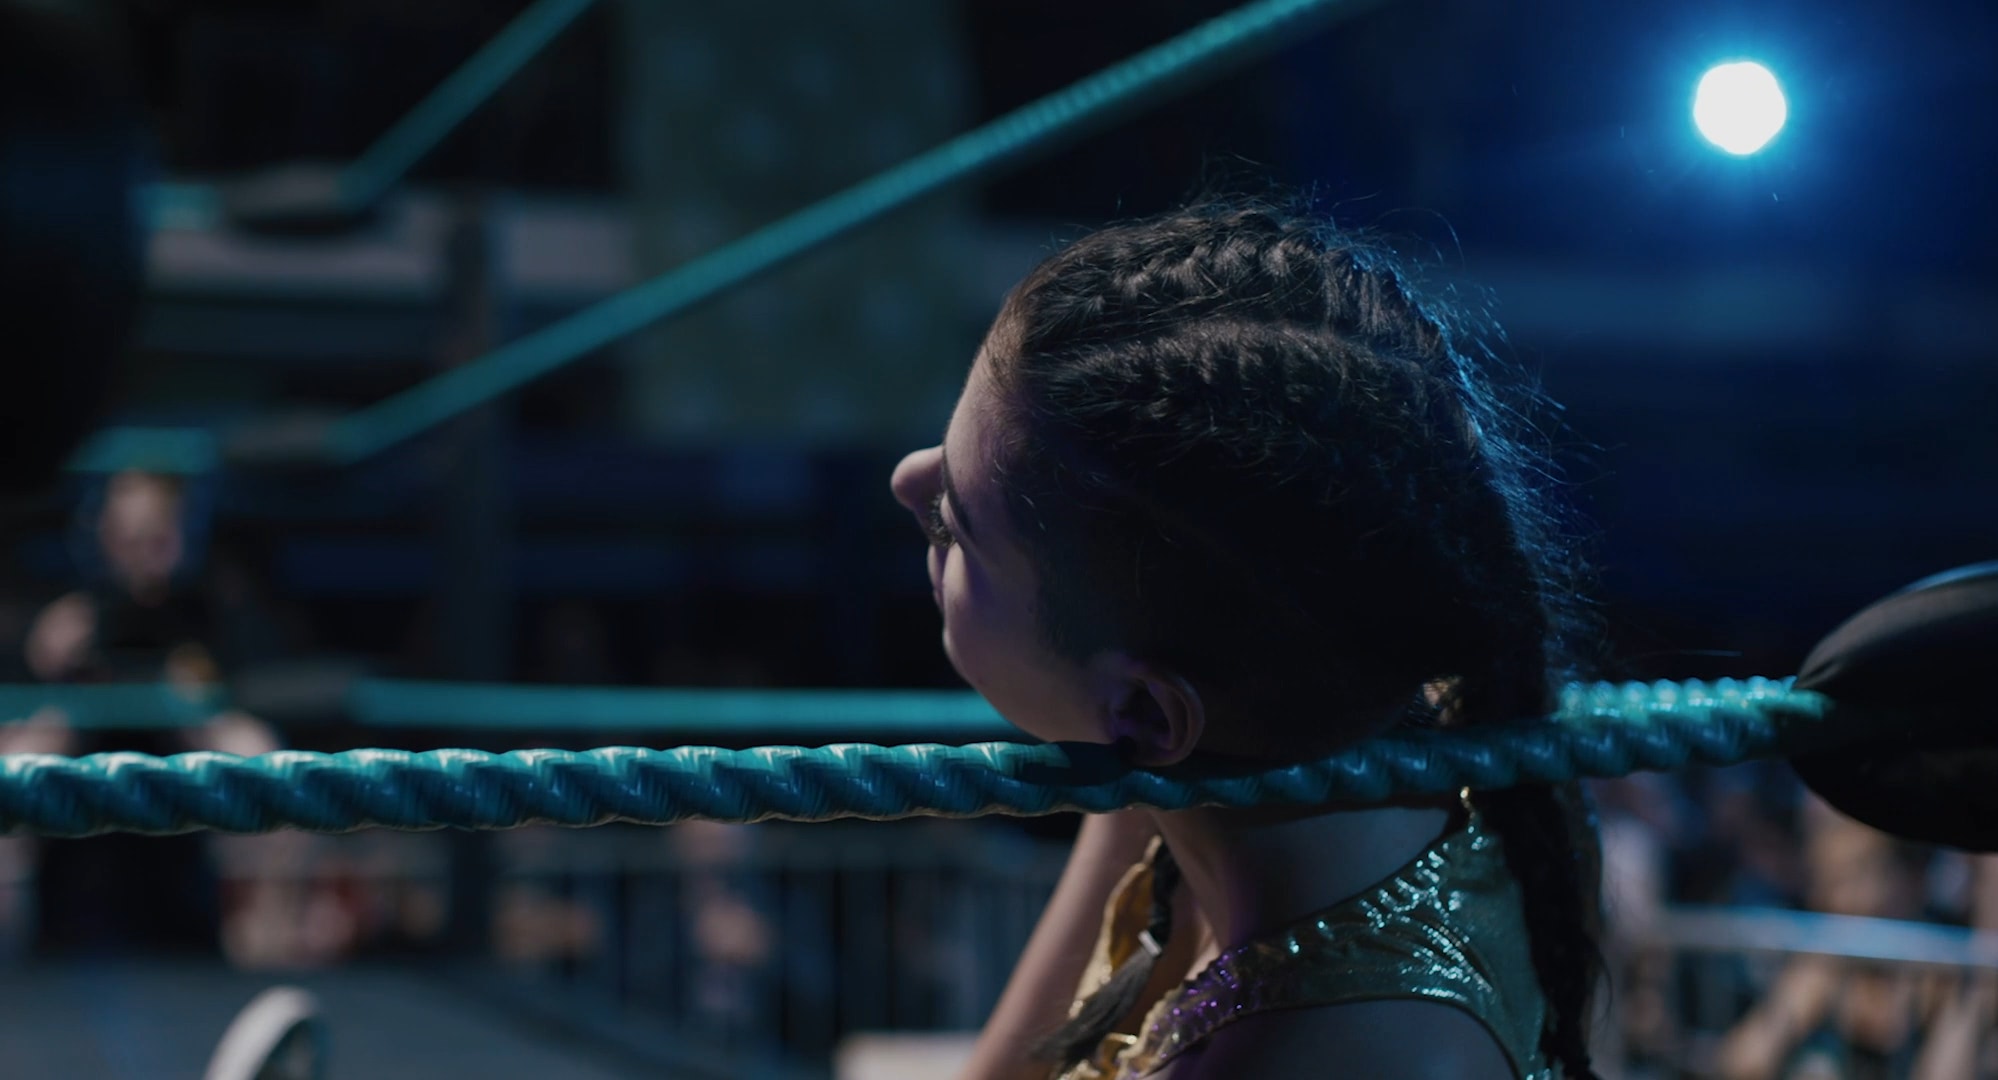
(1770, 329)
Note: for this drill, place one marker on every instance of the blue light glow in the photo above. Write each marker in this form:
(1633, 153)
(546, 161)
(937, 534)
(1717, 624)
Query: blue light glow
(1739, 107)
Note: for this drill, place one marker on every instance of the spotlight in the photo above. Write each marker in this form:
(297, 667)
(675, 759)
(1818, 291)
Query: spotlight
(1739, 107)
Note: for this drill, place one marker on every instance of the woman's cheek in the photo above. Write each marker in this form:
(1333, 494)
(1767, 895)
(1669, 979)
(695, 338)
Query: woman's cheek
(991, 644)
(975, 634)
(961, 629)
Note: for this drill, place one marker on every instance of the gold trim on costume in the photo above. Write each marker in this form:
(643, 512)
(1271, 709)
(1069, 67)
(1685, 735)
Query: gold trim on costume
(1449, 927)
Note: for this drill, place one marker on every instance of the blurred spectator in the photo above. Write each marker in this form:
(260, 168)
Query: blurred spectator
(1641, 818)
(1835, 1018)
(1963, 1038)
(1735, 837)
(123, 893)
(732, 938)
(1752, 828)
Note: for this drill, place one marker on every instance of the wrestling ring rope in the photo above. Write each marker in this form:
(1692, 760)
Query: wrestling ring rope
(1602, 730)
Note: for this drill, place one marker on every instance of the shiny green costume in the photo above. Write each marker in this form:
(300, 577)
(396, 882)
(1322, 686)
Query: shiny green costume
(1449, 927)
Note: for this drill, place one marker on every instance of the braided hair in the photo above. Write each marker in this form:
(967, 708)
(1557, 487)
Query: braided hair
(1238, 443)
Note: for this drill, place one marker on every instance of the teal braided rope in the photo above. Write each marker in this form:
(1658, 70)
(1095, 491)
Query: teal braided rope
(1601, 731)
(1208, 51)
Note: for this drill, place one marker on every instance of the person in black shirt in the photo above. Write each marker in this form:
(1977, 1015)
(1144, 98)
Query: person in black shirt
(121, 893)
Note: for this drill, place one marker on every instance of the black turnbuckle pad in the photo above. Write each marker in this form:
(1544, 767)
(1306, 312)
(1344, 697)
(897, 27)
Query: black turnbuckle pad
(1924, 656)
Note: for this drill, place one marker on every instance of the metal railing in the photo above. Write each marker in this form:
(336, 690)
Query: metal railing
(759, 950)
(1686, 978)
(777, 936)
(700, 949)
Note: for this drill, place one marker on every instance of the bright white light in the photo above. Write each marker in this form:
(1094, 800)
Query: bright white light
(1739, 107)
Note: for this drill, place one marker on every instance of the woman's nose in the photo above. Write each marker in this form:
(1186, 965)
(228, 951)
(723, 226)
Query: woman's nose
(914, 479)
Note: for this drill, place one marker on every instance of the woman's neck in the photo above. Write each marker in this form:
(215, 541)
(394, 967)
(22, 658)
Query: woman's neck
(1251, 876)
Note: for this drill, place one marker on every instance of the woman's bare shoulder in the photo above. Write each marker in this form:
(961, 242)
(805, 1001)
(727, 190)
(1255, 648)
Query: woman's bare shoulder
(1390, 1040)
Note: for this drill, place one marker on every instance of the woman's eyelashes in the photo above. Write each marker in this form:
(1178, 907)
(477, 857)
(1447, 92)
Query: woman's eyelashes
(935, 526)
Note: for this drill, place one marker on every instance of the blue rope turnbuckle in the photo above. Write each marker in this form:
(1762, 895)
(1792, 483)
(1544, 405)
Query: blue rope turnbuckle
(1602, 730)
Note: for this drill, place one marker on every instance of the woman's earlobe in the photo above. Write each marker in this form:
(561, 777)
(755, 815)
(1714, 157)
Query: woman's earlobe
(1159, 713)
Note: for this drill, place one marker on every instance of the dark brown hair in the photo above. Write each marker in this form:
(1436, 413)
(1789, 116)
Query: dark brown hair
(1240, 445)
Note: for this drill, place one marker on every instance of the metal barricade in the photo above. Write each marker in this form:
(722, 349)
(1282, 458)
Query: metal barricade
(699, 949)
(1687, 978)
(775, 936)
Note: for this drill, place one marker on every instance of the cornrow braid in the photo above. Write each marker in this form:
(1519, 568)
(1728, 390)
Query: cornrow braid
(1288, 475)
(1098, 1014)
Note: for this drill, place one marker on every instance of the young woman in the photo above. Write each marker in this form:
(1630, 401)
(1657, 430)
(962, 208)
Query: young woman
(1219, 483)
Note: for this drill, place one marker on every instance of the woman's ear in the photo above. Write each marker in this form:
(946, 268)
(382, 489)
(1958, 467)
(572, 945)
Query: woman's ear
(1154, 711)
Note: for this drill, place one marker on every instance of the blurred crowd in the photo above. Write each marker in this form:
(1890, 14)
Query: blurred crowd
(1751, 837)
(155, 610)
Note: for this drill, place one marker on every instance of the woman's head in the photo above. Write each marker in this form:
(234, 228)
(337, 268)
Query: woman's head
(1222, 480)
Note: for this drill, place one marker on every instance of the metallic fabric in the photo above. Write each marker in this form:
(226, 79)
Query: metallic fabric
(1449, 927)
